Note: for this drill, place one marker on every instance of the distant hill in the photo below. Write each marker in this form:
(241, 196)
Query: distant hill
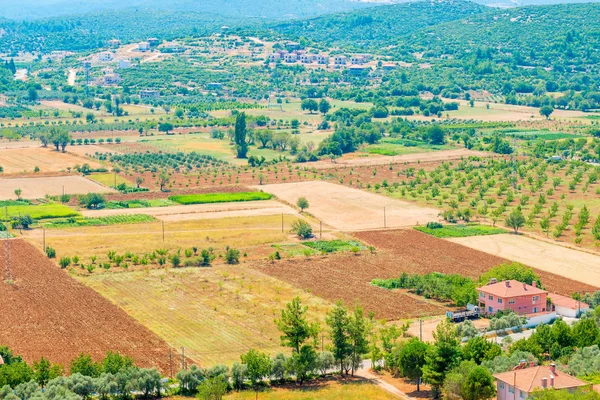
(378, 26)
(269, 9)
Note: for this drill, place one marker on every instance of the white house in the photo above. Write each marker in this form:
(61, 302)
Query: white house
(143, 46)
(105, 56)
(124, 64)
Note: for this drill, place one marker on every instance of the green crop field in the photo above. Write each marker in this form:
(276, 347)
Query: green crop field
(220, 197)
(451, 231)
(41, 211)
(334, 246)
(100, 221)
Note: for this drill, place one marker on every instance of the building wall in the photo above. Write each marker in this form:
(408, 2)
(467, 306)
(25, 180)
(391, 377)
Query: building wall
(504, 392)
(520, 305)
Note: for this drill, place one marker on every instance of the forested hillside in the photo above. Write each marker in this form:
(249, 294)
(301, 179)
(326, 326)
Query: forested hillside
(29, 9)
(380, 26)
(91, 31)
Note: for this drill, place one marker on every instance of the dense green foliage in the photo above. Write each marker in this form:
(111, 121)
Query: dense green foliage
(220, 197)
(448, 231)
(99, 221)
(456, 288)
(334, 246)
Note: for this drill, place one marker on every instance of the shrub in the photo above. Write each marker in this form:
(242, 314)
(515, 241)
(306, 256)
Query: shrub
(434, 225)
(232, 256)
(50, 252)
(302, 229)
(64, 262)
(176, 260)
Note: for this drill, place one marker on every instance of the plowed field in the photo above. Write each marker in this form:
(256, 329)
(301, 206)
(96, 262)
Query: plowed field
(432, 254)
(347, 277)
(44, 312)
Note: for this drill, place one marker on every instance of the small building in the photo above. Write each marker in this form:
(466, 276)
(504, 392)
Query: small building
(290, 58)
(274, 57)
(512, 295)
(214, 86)
(388, 67)
(1, 360)
(143, 46)
(124, 64)
(173, 48)
(523, 380)
(292, 46)
(340, 60)
(307, 58)
(153, 42)
(359, 70)
(111, 79)
(105, 56)
(566, 306)
(114, 43)
(322, 59)
(149, 94)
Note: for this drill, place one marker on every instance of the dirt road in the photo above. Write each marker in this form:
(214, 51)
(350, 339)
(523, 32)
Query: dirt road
(203, 211)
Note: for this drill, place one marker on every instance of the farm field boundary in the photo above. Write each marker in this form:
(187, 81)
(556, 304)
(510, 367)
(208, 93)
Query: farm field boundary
(36, 188)
(451, 256)
(430, 156)
(47, 313)
(17, 160)
(201, 211)
(548, 257)
(348, 209)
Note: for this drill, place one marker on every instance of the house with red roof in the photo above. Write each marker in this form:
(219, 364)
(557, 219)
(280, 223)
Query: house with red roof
(522, 381)
(512, 295)
(567, 306)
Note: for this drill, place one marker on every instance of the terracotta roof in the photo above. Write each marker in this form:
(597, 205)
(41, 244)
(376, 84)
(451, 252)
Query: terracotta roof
(513, 289)
(563, 301)
(529, 379)
(1, 360)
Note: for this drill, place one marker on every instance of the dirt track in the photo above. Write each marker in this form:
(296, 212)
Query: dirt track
(349, 209)
(36, 188)
(203, 211)
(576, 265)
(47, 313)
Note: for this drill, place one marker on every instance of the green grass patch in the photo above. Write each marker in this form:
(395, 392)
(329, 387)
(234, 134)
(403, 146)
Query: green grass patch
(100, 221)
(293, 250)
(220, 197)
(41, 211)
(108, 179)
(453, 231)
(334, 246)
(116, 205)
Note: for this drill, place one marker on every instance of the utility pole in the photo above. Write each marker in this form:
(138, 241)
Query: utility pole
(171, 362)
(384, 218)
(320, 229)
(183, 358)
(44, 237)
(163, 231)
(421, 330)
(282, 230)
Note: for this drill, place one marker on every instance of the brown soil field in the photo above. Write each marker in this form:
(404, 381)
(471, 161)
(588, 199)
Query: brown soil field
(458, 258)
(352, 209)
(203, 211)
(351, 160)
(556, 259)
(35, 188)
(26, 159)
(47, 313)
(347, 277)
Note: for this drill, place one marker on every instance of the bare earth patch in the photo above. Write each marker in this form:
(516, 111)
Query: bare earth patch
(35, 188)
(442, 155)
(203, 211)
(47, 313)
(17, 160)
(348, 209)
(577, 265)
